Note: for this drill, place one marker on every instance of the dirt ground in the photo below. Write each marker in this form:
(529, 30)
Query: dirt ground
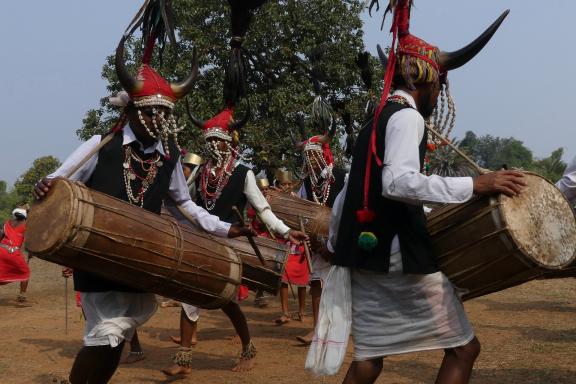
(528, 335)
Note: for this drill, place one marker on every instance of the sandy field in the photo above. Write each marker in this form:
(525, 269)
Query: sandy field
(528, 336)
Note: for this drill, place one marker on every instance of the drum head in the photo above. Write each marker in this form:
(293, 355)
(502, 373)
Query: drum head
(49, 221)
(542, 223)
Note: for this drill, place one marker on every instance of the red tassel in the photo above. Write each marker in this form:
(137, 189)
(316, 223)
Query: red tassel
(365, 216)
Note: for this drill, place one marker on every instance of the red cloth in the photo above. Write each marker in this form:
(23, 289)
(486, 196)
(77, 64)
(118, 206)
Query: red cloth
(296, 269)
(152, 84)
(13, 267)
(243, 292)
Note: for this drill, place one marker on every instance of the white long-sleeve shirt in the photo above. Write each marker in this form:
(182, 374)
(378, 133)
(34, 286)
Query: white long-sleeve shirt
(401, 176)
(257, 200)
(178, 190)
(567, 184)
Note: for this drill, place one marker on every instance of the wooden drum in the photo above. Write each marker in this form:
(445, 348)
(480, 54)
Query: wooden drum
(256, 276)
(289, 208)
(492, 243)
(84, 229)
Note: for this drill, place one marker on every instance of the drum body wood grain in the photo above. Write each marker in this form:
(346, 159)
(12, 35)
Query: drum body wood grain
(256, 276)
(290, 208)
(492, 243)
(84, 229)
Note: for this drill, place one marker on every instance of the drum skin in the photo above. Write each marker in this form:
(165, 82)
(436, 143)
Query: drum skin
(289, 208)
(84, 229)
(492, 243)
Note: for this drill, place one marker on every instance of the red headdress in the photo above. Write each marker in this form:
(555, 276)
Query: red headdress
(149, 88)
(407, 53)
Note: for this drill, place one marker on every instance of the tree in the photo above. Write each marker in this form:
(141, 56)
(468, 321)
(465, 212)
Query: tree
(284, 33)
(8, 200)
(493, 152)
(41, 167)
(551, 167)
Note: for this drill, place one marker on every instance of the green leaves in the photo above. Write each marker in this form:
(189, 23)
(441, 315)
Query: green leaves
(281, 31)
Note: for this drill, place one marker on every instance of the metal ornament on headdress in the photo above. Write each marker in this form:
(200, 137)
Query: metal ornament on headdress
(262, 183)
(192, 159)
(284, 176)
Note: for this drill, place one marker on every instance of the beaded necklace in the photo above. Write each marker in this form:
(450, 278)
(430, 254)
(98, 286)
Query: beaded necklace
(320, 190)
(214, 179)
(150, 169)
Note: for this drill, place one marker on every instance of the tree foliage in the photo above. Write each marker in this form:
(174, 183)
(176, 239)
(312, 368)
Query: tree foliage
(40, 168)
(283, 34)
(493, 152)
(8, 200)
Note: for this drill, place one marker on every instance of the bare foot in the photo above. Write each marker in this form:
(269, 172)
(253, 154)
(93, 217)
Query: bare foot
(244, 365)
(261, 302)
(177, 340)
(282, 320)
(306, 340)
(176, 369)
(132, 357)
(169, 303)
(298, 316)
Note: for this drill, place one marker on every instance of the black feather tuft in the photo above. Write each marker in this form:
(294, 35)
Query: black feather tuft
(235, 84)
(241, 14)
(363, 63)
(299, 120)
(156, 21)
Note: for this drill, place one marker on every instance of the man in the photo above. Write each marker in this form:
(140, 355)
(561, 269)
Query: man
(567, 184)
(140, 166)
(13, 267)
(224, 183)
(322, 183)
(400, 301)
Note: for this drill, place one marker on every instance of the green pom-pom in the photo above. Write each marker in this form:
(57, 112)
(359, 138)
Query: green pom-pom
(367, 241)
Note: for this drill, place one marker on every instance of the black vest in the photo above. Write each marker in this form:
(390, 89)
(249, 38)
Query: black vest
(108, 178)
(392, 217)
(335, 188)
(232, 195)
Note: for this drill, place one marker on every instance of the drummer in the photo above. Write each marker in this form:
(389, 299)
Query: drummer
(400, 301)
(322, 183)
(140, 165)
(223, 183)
(567, 184)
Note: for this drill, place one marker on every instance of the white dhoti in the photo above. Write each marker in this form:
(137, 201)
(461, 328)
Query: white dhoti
(192, 312)
(112, 317)
(320, 268)
(396, 313)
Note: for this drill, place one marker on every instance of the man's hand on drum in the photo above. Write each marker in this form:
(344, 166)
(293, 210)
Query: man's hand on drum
(240, 230)
(297, 237)
(510, 183)
(41, 188)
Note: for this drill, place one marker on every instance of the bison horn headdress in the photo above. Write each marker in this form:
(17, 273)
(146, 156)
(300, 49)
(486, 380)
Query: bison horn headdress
(148, 88)
(415, 61)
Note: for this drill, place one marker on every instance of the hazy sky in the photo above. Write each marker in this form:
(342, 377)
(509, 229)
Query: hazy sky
(520, 84)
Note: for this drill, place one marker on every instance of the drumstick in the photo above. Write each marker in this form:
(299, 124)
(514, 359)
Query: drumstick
(66, 304)
(290, 283)
(478, 168)
(306, 248)
(97, 148)
(250, 238)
